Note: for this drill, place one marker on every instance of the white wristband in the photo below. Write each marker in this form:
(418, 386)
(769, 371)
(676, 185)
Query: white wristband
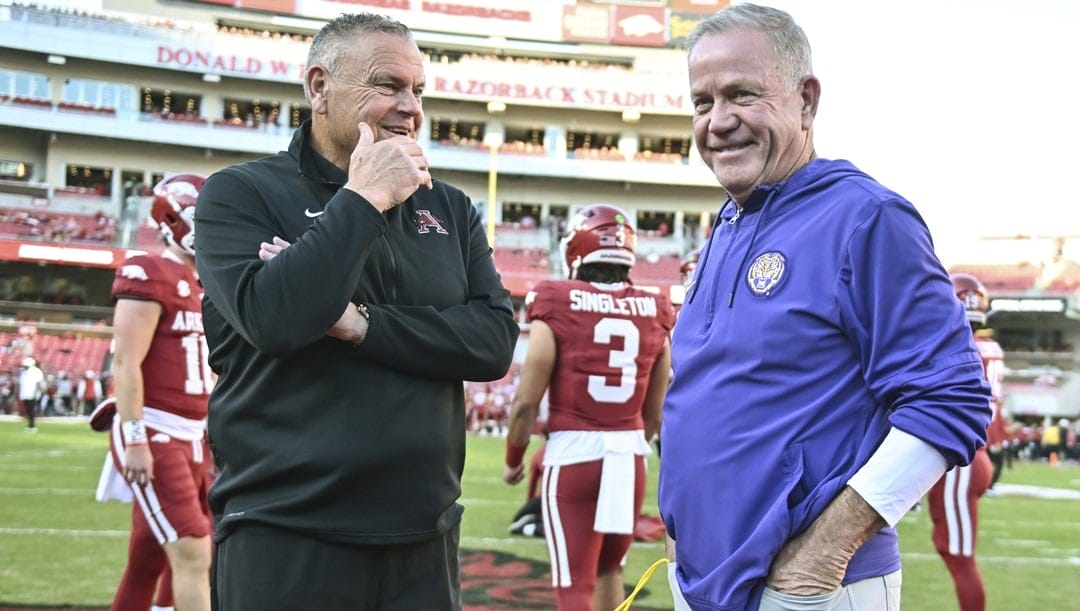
(134, 432)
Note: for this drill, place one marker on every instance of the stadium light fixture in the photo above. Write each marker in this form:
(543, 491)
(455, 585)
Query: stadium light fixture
(495, 107)
(631, 116)
(58, 60)
(211, 78)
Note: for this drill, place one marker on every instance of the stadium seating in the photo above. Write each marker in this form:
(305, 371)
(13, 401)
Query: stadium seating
(20, 223)
(522, 268)
(87, 108)
(661, 270)
(147, 238)
(56, 352)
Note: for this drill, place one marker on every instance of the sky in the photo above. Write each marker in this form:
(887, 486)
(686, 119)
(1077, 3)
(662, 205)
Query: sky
(964, 107)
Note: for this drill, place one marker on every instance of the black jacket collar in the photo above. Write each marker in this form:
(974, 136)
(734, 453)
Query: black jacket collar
(310, 163)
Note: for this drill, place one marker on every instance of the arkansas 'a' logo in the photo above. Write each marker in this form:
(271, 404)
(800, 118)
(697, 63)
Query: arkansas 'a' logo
(426, 222)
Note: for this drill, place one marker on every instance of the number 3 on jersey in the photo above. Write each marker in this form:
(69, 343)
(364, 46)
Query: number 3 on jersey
(624, 360)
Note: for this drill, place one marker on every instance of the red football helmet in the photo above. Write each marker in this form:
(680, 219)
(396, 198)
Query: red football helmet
(600, 233)
(173, 210)
(688, 265)
(101, 418)
(973, 295)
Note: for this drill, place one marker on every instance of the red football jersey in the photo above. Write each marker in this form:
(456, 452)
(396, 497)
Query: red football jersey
(176, 376)
(608, 341)
(993, 358)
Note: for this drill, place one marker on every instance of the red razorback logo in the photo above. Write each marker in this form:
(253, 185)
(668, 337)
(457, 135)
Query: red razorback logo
(426, 222)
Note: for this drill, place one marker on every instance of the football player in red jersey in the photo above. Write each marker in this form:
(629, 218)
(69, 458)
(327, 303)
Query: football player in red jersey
(150, 570)
(687, 266)
(601, 347)
(954, 499)
(162, 385)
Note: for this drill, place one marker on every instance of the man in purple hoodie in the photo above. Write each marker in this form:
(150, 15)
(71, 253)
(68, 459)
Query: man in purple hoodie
(824, 373)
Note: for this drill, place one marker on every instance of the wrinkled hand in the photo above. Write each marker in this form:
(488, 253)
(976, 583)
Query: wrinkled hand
(138, 464)
(387, 172)
(803, 568)
(816, 560)
(514, 475)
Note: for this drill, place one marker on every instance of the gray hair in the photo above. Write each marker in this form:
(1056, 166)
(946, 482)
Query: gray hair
(790, 46)
(330, 44)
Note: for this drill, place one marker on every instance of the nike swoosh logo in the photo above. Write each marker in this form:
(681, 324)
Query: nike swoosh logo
(308, 213)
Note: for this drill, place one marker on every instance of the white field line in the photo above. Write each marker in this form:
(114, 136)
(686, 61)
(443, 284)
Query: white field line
(999, 525)
(1007, 560)
(47, 491)
(47, 467)
(1065, 560)
(63, 532)
(1037, 492)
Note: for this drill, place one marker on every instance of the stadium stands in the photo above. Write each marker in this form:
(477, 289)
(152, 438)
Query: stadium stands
(18, 223)
(656, 270)
(55, 353)
(522, 268)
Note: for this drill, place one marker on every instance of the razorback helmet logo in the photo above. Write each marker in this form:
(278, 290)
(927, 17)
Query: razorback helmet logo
(600, 233)
(173, 209)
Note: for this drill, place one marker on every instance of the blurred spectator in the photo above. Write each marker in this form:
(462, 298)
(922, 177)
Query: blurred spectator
(88, 392)
(30, 381)
(1072, 450)
(7, 393)
(49, 399)
(1052, 441)
(65, 390)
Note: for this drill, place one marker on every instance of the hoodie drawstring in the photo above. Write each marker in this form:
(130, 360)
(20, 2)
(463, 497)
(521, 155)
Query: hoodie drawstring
(749, 249)
(708, 247)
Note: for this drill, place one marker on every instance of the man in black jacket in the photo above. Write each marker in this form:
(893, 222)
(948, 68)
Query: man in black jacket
(338, 418)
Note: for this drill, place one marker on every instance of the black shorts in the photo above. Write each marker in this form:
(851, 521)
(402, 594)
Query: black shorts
(264, 568)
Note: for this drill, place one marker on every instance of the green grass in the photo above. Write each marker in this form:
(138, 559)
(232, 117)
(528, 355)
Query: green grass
(60, 547)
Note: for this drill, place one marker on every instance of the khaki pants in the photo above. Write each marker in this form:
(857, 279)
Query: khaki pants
(871, 594)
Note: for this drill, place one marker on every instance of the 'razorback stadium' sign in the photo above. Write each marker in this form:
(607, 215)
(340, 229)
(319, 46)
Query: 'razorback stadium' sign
(552, 95)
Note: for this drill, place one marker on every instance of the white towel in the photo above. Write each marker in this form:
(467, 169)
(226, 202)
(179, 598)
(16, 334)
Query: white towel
(111, 485)
(615, 503)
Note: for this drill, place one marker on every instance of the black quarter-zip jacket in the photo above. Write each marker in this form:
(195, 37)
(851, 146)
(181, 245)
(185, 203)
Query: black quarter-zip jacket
(354, 443)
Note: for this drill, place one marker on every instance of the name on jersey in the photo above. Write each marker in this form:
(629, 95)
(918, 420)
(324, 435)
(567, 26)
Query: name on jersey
(188, 322)
(586, 301)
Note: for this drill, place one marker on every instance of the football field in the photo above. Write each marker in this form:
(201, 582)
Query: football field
(61, 548)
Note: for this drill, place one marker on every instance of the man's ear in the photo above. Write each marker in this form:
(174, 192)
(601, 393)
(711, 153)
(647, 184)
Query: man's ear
(810, 90)
(316, 81)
